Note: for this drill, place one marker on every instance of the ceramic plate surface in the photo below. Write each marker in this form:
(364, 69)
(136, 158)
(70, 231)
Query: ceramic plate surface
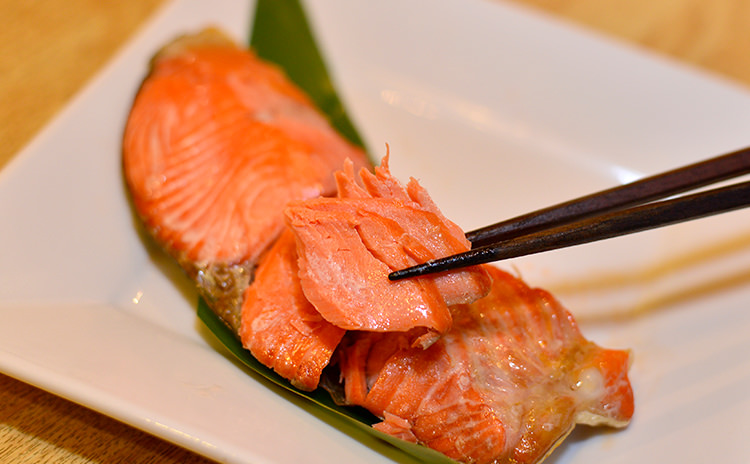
(496, 110)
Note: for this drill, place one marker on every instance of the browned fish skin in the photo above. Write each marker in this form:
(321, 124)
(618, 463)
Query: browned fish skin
(223, 286)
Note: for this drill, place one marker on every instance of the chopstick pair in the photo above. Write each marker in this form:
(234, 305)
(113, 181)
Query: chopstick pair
(610, 213)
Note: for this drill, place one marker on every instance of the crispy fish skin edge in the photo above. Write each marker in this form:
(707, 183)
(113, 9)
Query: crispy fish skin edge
(223, 286)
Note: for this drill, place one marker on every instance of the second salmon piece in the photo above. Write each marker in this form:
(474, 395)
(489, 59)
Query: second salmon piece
(505, 385)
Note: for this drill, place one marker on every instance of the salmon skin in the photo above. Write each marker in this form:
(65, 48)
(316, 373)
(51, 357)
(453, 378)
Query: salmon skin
(238, 177)
(505, 385)
(348, 245)
(216, 144)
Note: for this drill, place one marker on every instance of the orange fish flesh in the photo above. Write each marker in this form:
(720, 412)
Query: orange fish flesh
(216, 144)
(279, 326)
(348, 245)
(506, 384)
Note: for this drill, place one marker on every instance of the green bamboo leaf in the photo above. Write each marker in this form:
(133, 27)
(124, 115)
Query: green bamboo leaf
(354, 421)
(282, 35)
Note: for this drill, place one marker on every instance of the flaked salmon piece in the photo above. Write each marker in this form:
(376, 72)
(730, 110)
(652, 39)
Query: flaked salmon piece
(457, 286)
(279, 326)
(361, 357)
(346, 279)
(506, 384)
(216, 144)
(348, 245)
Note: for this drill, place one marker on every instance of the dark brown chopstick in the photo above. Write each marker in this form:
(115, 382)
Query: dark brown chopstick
(590, 218)
(651, 188)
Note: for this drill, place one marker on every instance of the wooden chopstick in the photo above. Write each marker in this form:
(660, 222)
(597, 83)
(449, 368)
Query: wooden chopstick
(651, 188)
(605, 214)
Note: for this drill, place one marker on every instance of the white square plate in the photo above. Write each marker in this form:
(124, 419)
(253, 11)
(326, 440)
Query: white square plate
(497, 111)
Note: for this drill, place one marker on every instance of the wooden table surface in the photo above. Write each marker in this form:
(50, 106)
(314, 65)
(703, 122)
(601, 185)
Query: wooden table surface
(50, 48)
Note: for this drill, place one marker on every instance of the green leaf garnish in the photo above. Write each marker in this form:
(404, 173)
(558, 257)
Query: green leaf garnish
(282, 35)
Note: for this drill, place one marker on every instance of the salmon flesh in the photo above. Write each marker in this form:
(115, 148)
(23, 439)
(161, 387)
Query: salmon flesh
(348, 245)
(289, 234)
(216, 144)
(505, 385)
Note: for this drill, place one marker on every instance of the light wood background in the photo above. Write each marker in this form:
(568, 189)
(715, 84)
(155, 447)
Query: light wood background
(50, 48)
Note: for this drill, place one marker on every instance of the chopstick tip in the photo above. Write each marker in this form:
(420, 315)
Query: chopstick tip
(402, 274)
(414, 271)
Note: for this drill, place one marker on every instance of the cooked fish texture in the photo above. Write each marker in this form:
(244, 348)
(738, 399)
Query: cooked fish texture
(506, 384)
(348, 245)
(279, 326)
(216, 144)
(288, 327)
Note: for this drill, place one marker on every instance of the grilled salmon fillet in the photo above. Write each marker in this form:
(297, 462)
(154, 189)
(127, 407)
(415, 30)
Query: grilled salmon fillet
(216, 144)
(279, 325)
